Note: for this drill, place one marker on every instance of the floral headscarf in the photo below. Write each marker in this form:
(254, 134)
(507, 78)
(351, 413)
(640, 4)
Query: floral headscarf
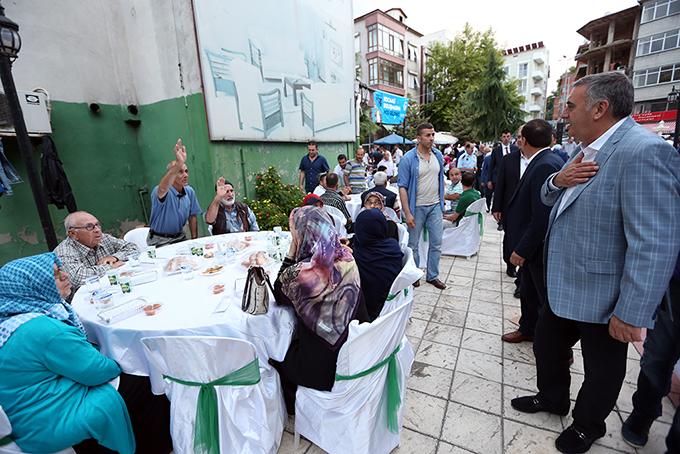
(323, 284)
(27, 291)
(378, 195)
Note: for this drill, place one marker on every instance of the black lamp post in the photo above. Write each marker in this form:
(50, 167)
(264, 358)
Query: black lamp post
(10, 43)
(674, 97)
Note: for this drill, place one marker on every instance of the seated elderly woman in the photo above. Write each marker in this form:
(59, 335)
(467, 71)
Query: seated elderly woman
(378, 257)
(320, 280)
(377, 200)
(55, 385)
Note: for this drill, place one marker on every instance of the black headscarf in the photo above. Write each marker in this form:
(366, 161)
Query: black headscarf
(378, 257)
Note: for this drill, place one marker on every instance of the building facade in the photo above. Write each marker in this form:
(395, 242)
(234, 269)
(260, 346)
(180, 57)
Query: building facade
(124, 82)
(528, 65)
(610, 45)
(564, 86)
(388, 53)
(657, 64)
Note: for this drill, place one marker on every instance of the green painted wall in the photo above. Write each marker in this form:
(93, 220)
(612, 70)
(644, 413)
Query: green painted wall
(109, 161)
(100, 156)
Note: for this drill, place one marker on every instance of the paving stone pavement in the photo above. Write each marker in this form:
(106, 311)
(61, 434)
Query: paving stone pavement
(463, 378)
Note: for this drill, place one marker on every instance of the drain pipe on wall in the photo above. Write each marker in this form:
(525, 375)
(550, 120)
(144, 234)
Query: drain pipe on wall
(141, 193)
(243, 173)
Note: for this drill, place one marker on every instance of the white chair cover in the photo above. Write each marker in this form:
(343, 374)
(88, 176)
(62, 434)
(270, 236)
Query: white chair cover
(391, 215)
(339, 220)
(251, 418)
(464, 239)
(403, 238)
(352, 418)
(138, 237)
(402, 288)
(11, 447)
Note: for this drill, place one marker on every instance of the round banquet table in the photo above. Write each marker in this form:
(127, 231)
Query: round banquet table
(189, 308)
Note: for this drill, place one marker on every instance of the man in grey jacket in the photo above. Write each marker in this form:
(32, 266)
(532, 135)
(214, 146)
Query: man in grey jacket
(611, 245)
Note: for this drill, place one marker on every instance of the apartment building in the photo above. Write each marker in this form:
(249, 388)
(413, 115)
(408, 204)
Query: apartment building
(657, 64)
(610, 43)
(528, 65)
(564, 86)
(388, 53)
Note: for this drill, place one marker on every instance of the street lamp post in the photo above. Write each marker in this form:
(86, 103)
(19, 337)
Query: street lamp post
(674, 97)
(10, 43)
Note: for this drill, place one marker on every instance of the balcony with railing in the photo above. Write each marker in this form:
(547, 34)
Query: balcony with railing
(538, 75)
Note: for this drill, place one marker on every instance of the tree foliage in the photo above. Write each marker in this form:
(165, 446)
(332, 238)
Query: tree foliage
(414, 117)
(494, 105)
(367, 128)
(453, 70)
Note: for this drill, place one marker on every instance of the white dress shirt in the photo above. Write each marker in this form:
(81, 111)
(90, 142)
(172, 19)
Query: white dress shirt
(524, 162)
(589, 154)
(506, 149)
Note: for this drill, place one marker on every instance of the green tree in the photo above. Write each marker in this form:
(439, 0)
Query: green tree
(414, 117)
(453, 70)
(367, 128)
(494, 105)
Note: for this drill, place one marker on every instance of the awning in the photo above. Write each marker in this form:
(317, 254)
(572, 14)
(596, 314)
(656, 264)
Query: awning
(664, 127)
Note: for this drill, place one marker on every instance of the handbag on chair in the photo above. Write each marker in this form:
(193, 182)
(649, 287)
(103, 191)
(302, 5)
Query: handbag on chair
(255, 294)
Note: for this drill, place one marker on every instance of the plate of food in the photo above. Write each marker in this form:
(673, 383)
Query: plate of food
(212, 270)
(259, 258)
(237, 245)
(175, 264)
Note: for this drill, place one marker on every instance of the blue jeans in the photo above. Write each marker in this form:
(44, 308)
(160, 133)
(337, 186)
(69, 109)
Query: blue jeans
(429, 216)
(661, 352)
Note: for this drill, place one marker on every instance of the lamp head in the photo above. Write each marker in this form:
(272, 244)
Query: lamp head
(10, 41)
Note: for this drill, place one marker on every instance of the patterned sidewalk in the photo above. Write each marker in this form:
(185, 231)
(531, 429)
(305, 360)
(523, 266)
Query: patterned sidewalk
(463, 378)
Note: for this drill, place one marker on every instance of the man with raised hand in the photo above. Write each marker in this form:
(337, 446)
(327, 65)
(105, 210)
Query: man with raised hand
(173, 203)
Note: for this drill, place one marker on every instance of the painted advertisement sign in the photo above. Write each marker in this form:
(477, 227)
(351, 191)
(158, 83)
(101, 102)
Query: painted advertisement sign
(277, 70)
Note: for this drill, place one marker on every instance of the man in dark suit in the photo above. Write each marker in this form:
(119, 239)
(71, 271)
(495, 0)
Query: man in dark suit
(526, 221)
(502, 149)
(505, 185)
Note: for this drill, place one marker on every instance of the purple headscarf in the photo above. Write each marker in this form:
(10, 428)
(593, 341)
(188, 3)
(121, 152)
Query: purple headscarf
(323, 284)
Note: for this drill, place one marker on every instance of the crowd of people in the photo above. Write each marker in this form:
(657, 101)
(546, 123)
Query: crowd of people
(590, 234)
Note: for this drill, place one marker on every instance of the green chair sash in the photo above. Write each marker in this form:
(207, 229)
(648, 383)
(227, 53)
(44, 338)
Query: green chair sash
(480, 219)
(393, 392)
(5, 441)
(207, 431)
(392, 296)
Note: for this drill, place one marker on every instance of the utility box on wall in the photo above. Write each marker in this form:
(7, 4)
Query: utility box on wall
(34, 109)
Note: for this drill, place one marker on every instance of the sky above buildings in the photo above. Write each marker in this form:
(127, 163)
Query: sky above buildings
(515, 22)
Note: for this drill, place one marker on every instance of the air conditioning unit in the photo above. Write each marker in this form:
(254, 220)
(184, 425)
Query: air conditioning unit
(34, 109)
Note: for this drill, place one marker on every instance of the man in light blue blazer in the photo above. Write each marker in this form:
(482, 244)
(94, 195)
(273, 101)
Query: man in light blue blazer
(611, 246)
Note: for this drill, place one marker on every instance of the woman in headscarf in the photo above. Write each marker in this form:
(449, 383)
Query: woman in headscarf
(377, 200)
(320, 280)
(54, 386)
(378, 257)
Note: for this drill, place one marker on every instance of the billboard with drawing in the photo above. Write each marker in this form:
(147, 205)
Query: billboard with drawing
(277, 70)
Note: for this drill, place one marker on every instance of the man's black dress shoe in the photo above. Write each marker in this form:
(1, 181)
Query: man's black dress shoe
(574, 441)
(532, 404)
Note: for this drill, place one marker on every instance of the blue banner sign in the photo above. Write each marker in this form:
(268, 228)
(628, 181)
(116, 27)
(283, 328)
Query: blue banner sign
(389, 109)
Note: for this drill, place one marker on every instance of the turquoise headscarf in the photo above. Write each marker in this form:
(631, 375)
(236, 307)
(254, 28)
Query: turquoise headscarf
(28, 290)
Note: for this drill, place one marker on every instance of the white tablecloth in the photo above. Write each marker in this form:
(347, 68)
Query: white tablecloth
(189, 309)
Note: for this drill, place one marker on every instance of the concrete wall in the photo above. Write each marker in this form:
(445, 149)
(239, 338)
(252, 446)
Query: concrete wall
(117, 54)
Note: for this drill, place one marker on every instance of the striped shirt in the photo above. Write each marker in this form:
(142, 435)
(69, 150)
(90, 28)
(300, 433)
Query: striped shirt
(332, 198)
(356, 172)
